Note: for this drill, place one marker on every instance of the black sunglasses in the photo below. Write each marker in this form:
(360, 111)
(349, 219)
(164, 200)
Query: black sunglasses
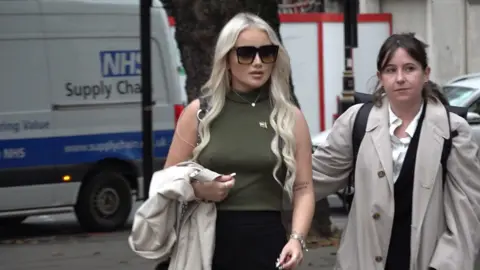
(246, 54)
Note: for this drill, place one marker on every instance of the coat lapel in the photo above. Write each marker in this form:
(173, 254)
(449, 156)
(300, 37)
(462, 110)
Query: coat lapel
(379, 133)
(434, 131)
(427, 167)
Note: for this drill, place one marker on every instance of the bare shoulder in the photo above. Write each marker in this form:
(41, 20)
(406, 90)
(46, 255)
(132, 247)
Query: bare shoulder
(189, 114)
(185, 137)
(302, 131)
(193, 106)
(300, 120)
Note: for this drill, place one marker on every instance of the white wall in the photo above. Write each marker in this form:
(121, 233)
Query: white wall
(370, 37)
(473, 38)
(301, 42)
(449, 27)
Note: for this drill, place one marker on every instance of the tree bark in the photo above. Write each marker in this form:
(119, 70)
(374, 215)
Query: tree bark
(268, 10)
(197, 25)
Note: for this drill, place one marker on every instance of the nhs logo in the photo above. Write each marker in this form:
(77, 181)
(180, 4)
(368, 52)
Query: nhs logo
(120, 63)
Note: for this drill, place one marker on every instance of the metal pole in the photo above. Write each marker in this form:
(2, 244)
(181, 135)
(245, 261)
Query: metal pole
(350, 35)
(145, 47)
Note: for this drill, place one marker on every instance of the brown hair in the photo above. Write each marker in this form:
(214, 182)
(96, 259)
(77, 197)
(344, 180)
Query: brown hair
(417, 50)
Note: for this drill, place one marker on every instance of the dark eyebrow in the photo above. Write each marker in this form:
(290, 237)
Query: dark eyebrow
(406, 64)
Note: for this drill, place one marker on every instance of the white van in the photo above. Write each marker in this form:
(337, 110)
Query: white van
(70, 107)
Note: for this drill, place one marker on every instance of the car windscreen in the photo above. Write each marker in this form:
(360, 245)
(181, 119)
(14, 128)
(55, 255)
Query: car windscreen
(457, 95)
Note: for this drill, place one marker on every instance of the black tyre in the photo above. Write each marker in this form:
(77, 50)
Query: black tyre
(104, 202)
(11, 221)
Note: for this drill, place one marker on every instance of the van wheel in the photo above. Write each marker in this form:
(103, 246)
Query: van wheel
(104, 202)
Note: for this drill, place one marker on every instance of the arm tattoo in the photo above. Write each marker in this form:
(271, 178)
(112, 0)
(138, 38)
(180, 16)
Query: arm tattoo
(300, 186)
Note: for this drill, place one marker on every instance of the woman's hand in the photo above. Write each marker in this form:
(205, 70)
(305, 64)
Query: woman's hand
(216, 190)
(291, 256)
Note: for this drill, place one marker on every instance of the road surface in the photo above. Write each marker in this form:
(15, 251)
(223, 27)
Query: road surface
(104, 252)
(57, 243)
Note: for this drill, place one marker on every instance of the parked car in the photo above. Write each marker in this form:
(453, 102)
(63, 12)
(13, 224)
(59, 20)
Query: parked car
(463, 91)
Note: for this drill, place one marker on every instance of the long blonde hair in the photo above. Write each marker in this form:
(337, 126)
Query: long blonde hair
(282, 117)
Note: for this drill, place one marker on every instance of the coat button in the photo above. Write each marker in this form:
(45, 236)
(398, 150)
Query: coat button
(376, 216)
(378, 258)
(381, 174)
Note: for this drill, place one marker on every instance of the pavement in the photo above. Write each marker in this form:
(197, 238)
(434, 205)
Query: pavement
(56, 242)
(322, 258)
(63, 246)
(72, 253)
(103, 252)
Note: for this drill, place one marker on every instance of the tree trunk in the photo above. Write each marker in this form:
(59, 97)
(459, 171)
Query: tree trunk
(198, 24)
(268, 10)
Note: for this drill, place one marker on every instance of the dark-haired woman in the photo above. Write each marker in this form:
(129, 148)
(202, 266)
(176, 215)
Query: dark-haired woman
(403, 215)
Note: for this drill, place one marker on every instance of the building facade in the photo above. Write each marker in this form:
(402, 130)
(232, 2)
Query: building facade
(450, 27)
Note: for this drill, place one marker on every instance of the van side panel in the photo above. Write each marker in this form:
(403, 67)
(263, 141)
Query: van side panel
(73, 95)
(94, 59)
(25, 116)
(170, 62)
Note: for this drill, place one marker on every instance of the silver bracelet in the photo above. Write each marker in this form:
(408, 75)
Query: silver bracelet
(300, 239)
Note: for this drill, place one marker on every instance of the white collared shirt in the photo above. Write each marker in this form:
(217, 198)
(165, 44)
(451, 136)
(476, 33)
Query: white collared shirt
(400, 145)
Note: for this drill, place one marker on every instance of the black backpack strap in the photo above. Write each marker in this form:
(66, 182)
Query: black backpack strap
(358, 132)
(447, 147)
(359, 127)
(200, 114)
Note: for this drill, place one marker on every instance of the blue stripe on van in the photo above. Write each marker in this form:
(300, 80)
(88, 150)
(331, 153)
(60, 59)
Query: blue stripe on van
(18, 153)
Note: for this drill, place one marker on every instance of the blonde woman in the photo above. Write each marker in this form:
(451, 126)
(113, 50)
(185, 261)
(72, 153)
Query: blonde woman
(259, 140)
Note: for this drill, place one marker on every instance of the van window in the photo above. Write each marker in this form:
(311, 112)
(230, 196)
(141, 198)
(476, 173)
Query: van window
(23, 76)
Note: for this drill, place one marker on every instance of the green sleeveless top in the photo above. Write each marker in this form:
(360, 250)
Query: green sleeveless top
(240, 141)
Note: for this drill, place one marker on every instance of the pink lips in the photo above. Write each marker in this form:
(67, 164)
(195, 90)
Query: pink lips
(256, 74)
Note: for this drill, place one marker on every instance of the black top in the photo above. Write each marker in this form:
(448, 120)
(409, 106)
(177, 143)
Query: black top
(399, 249)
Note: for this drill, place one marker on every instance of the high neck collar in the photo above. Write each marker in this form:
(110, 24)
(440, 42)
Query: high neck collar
(256, 95)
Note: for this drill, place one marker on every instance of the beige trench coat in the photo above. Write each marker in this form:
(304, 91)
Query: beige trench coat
(163, 229)
(445, 231)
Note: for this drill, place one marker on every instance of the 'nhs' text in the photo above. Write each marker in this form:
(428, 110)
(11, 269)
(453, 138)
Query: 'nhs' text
(113, 64)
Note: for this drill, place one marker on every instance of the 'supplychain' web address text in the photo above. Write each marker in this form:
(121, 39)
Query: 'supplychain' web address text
(112, 146)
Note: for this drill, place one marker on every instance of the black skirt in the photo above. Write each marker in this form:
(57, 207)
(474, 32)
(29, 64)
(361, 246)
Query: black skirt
(248, 240)
(245, 240)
